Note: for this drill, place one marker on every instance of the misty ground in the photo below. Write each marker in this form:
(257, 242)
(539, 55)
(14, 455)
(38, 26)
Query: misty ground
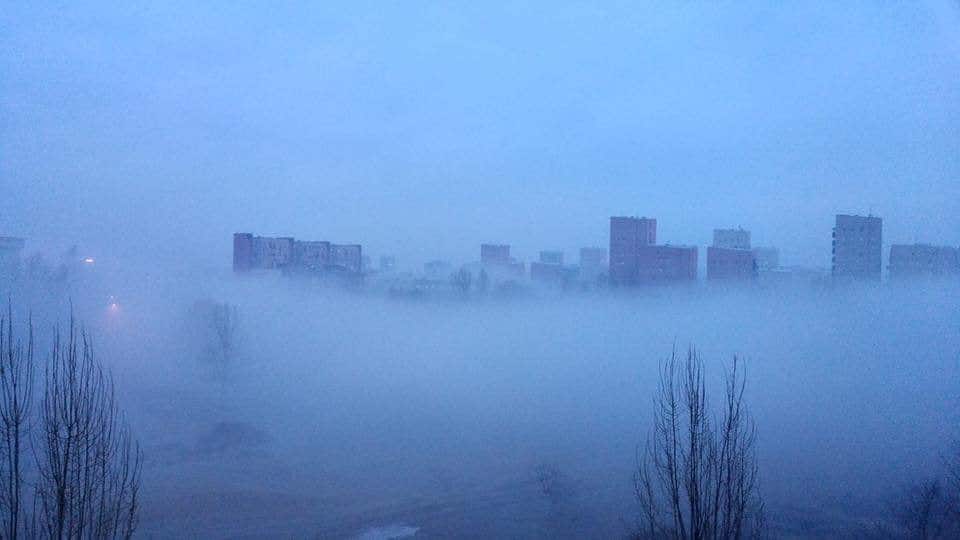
(341, 412)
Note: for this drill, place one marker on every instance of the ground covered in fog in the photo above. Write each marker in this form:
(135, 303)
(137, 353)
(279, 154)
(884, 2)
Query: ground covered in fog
(343, 412)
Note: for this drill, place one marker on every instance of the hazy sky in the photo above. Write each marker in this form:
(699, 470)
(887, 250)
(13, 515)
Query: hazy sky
(158, 130)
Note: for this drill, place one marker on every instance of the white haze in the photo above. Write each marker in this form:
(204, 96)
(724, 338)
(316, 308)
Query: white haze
(345, 411)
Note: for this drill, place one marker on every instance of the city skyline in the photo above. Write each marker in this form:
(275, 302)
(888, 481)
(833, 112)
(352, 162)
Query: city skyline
(462, 130)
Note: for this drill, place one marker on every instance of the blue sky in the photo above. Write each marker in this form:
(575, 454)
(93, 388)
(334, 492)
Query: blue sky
(425, 129)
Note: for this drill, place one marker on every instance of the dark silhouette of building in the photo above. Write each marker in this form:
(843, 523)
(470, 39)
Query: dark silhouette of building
(550, 269)
(767, 258)
(261, 252)
(857, 247)
(285, 253)
(495, 259)
(311, 254)
(666, 264)
(495, 254)
(731, 264)
(730, 256)
(551, 257)
(627, 236)
(916, 260)
(731, 238)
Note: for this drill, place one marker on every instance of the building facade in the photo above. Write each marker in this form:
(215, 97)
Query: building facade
(252, 252)
(551, 257)
(666, 264)
(768, 258)
(916, 260)
(311, 254)
(730, 256)
(731, 238)
(627, 236)
(495, 254)
(857, 242)
(347, 257)
(730, 264)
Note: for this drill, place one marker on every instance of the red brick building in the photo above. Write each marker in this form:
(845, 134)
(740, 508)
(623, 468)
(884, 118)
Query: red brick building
(666, 264)
(733, 264)
(627, 236)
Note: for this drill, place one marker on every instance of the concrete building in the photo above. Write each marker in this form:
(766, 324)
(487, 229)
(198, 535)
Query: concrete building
(242, 252)
(916, 260)
(767, 258)
(346, 257)
(550, 269)
(273, 253)
(261, 252)
(730, 256)
(311, 254)
(10, 249)
(551, 257)
(285, 253)
(730, 264)
(593, 263)
(495, 259)
(627, 236)
(666, 264)
(857, 247)
(731, 238)
(495, 254)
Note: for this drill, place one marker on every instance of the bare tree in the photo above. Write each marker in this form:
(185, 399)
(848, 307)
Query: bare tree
(16, 398)
(927, 510)
(461, 281)
(88, 463)
(923, 512)
(697, 478)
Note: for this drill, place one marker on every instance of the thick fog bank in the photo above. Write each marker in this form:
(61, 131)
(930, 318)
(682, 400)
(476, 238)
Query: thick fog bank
(340, 411)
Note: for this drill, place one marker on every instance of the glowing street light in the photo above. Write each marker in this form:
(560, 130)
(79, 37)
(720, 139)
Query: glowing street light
(88, 260)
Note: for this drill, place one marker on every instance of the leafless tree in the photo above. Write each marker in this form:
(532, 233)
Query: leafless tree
(88, 463)
(926, 510)
(461, 281)
(697, 478)
(16, 398)
(923, 512)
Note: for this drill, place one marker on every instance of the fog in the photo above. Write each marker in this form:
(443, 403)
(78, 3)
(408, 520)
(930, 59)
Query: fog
(142, 137)
(155, 132)
(346, 411)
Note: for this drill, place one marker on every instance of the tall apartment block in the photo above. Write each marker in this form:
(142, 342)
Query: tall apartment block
(627, 236)
(730, 256)
(496, 258)
(495, 254)
(666, 264)
(731, 238)
(266, 253)
(857, 247)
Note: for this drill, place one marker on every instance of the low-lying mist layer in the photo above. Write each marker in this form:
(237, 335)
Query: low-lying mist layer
(336, 412)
